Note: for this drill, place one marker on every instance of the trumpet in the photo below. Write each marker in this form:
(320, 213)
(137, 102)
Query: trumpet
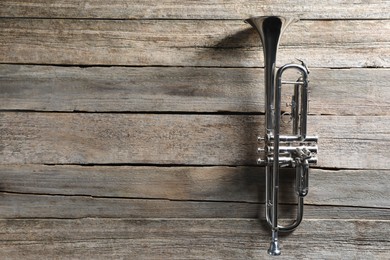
(294, 150)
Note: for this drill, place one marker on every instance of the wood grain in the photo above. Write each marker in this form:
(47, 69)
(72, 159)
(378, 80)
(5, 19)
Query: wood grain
(68, 138)
(194, 238)
(234, 184)
(165, 89)
(168, 9)
(189, 43)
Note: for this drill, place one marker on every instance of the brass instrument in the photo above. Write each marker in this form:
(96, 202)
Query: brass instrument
(296, 150)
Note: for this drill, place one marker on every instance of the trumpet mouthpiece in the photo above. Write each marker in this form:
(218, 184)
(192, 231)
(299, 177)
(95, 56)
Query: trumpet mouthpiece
(274, 248)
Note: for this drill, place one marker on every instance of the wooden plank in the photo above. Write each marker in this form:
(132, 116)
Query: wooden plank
(194, 238)
(234, 184)
(124, 89)
(59, 206)
(192, 33)
(189, 43)
(93, 138)
(117, 9)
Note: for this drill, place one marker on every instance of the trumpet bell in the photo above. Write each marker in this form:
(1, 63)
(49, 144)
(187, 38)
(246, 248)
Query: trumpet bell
(270, 29)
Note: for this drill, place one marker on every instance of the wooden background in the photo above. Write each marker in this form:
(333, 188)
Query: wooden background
(128, 129)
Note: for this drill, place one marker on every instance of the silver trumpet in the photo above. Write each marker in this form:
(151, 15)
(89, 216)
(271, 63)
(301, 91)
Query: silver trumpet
(296, 150)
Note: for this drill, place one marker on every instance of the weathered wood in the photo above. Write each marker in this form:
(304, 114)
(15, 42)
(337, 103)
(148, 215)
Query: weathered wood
(77, 206)
(189, 43)
(79, 138)
(192, 238)
(235, 184)
(124, 89)
(118, 9)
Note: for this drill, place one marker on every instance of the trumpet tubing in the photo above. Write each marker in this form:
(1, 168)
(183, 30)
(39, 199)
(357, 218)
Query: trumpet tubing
(295, 150)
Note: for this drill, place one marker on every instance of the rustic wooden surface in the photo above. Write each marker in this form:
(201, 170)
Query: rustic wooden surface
(127, 129)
